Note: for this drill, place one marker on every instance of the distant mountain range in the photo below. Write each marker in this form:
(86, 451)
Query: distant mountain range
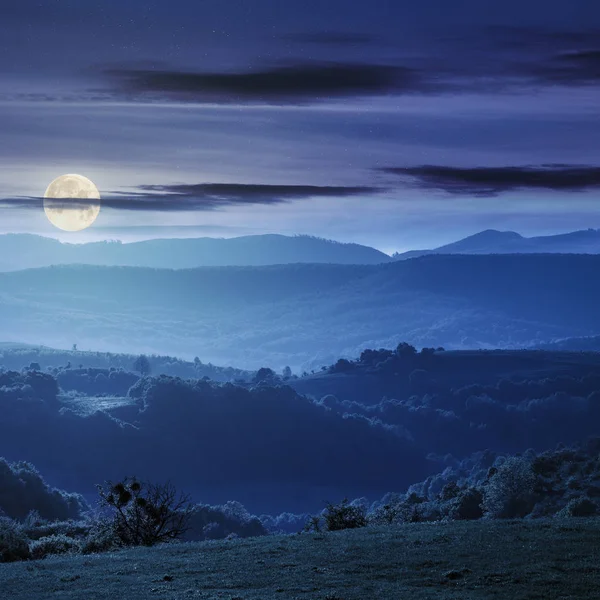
(25, 251)
(492, 241)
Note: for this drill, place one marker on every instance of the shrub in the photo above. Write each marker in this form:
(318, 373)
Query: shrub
(388, 514)
(313, 524)
(13, 541)
(145, 514)
(217, 522)
(344, 516)
(100, 538)
(467, 505)
(35, 527)
(579, 507)
(54, 544)
(509, 493)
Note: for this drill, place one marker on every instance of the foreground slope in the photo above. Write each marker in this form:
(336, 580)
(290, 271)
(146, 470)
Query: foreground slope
(516, 560)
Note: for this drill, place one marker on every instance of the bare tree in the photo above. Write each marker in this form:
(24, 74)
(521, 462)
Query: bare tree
(145, 514)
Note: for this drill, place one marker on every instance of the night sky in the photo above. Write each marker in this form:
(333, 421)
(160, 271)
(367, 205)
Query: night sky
(395, 124)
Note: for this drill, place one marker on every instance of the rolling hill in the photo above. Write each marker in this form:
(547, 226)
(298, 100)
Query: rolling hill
(305, 315)
(509, 242)
(24, 251)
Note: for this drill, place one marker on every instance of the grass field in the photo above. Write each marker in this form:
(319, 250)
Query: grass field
(517, 560)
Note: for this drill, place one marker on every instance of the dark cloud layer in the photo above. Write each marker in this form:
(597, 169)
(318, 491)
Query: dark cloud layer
(286, 84)
(508, 59)
(492, 181)
(203, 196)
(577, 67)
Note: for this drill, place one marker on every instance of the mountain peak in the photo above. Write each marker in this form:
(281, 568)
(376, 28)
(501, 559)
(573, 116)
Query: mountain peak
(495, 234)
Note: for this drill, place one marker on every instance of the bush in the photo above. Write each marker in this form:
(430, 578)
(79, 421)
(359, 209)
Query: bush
(579, 507)
(217, 522)
(35, 527)
(13, 541)
(145, 514)
(467, 505)
(509, 493)
(313, 524)
(344, 516)
(54, 544)
(388, 514)
(100, 538)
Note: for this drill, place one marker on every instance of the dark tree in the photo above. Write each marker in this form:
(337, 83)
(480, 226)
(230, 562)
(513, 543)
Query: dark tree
(404, 349)
(264, 374)
(145, 514)
(142, 365)
(342, 366)
(344, 516)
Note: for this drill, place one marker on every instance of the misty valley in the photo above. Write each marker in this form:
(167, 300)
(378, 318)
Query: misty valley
(394, 437)
(299, 300)
(300, 401)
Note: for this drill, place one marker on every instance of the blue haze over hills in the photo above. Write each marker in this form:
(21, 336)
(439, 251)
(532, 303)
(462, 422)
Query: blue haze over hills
(305, 315)
(23, 251)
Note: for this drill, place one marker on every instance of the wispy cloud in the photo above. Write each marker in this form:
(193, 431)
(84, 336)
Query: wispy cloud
(295, 83)
(199, 197)
(492, 181)
(502, 63)
(570, 68)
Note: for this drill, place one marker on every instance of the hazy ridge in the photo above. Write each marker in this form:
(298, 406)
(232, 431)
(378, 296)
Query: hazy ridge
(305, 315)
(24, 251)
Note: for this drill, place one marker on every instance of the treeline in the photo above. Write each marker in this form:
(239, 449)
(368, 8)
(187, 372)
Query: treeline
(58, 361)
(274, 449)
(37, 521)
(559, 483)
(204, 434)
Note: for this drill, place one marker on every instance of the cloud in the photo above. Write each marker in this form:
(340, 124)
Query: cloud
(492, 181)
(290, 84)
(505, 59)
(528, 56)
(203, 196)
(575, 67)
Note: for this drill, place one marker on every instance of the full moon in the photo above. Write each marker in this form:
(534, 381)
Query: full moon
(64, 203)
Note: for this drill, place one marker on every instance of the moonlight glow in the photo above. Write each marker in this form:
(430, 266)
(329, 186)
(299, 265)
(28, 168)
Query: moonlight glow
(65, 205)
